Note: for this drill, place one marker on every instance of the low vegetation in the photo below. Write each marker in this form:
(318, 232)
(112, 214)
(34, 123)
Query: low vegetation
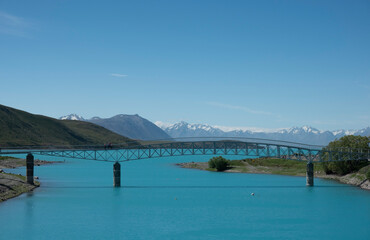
(344, 143)
(12, 185)
(360, 178)
(11, 162)
(257, 165)
(349, 172)
(6, 157)
(218, 163)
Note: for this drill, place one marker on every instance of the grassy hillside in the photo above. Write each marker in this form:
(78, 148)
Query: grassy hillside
(19, 128)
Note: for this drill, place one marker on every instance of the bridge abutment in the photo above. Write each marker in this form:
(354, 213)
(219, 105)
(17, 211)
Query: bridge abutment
(29, 167)
(116, 174)
(309, 174)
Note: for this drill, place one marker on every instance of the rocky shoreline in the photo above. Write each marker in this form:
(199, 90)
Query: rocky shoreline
(355, 179)
(13, 185)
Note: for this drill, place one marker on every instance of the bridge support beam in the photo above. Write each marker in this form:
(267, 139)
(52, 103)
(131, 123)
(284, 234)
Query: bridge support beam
(309, 174)
(116, 174)
(29, 168)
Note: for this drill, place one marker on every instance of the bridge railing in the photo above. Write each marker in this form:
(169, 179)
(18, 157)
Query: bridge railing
(240, 139)
(344, 154)
(206, 146)
(138, 144)
(24, 148)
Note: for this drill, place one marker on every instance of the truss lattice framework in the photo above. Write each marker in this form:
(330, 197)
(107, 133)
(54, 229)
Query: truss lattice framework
(203, 148)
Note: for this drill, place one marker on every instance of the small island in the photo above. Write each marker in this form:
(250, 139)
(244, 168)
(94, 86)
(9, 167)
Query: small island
(265, 165)
(349, 172)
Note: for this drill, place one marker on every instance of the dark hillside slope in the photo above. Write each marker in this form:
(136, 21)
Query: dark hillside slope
(132, 126)
(19, 128)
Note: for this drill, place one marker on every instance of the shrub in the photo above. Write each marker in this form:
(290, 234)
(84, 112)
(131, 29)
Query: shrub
(211, 163)
(345, 167)
(219, 163)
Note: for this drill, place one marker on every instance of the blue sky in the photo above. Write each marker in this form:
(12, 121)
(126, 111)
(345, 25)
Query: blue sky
(266, 64)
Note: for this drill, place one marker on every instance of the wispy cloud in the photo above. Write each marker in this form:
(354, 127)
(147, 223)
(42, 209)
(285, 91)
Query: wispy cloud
(118, 75)
(241, 108)
(362, 85)
(13, 25)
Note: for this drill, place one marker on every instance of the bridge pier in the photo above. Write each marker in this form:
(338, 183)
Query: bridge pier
(116, 174)
(29, 168)
(309, 174)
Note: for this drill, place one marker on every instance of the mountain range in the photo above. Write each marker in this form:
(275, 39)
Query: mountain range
(131, 126)
(305, 134)
(20, 128)
(136, 127)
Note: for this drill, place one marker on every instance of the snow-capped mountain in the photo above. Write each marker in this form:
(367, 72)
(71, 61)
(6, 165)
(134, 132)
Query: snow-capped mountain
(183, 129)
(305, 134)
(72, 116)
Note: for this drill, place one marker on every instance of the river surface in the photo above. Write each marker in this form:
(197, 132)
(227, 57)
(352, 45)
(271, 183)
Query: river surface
(159, 200)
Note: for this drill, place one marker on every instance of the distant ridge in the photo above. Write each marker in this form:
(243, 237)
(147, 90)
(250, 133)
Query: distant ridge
(305, 134)
(132, 126)
(19, 128)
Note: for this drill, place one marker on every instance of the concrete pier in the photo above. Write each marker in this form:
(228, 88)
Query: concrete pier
(116, 174)
(29, 167)
(309, 174)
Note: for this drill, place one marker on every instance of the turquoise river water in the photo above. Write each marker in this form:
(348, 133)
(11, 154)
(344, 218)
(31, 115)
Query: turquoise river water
(159, 200)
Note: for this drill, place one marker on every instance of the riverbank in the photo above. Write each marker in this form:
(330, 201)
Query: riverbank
(13, 185)
(11, 162)
(284, 167)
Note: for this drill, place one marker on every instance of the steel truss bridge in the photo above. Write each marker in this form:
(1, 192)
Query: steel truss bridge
(231, 146)
(243, 147)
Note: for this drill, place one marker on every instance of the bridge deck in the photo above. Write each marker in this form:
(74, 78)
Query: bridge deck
(116, 153)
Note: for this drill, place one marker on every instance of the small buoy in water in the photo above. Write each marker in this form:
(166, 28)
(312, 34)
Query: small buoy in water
(175, 198)
(252, 194)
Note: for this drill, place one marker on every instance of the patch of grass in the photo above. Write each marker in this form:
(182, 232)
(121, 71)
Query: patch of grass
(363, 173)
(234, 163)
(285, 166)
(211, 169)
(194, 165)
(10, 162)
(273, 166)
(365, 170)
(273, 162)
(5, 158)
(243, 169)
(17, 189)
(360, 177)
(21, 177)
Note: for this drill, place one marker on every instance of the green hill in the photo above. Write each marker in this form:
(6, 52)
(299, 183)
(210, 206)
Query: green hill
(19, 128)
